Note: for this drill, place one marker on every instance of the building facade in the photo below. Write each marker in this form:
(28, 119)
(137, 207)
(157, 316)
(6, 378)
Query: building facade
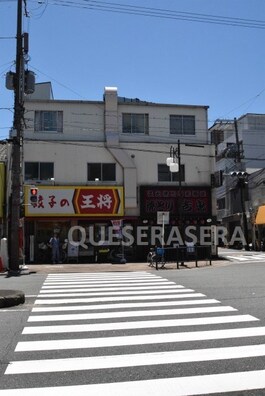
(102, 164)
(239, 159)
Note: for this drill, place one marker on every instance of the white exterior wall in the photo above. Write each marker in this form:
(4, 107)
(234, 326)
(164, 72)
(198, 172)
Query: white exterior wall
(252, 129)
(81, 120)
(71, 160)
(85, 121)
(159, 124)
(198, 162)
(89, 136)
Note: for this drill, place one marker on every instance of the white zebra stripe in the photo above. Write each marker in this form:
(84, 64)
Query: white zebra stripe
(133, 360)
(129, 314)
(125, 305)
(182, 386)
(144, 339)
(138, 325)
(116, 293)
(114, 288)
(110, 283)
(101, 276)
(113, 298)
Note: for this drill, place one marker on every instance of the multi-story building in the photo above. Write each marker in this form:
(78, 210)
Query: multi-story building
(103, 163)
(3, 160)
(239, 147)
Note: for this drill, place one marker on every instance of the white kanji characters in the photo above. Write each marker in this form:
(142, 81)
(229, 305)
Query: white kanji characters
(104, 200)
(100, 201)
(87, 201)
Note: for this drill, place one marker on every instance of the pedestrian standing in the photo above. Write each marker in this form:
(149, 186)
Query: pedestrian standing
(55, 245)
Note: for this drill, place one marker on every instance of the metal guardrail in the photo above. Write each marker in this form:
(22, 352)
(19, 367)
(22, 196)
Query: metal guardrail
(182, 254)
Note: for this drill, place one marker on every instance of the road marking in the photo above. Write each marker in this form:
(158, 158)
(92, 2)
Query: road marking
(138, 325)
(144, 339)
(179, 386)
(15, 310)
(247, 257)
(258, 257)
(237, 258)
(125, 305)
(182, 386)
(113, 283)
(126, 276)
(132, 360)
(113, 298)
(114, 288)
(116, 293)
(129, 314)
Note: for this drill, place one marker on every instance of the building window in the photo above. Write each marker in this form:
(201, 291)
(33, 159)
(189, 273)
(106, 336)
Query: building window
(182, 125)
(48, 121)
(135, 123)
(221, 203)
(102, 172)
(164, 174)
(39, 170)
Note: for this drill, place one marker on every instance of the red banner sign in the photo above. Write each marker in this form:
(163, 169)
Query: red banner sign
(193, 201)
(75, 201)
(95, 200)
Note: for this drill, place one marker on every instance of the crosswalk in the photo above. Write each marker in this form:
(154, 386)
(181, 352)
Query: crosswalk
(253, 257)
(133, 333)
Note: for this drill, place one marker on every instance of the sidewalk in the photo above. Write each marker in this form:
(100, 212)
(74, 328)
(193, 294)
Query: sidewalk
(103, 267)
(10, 298)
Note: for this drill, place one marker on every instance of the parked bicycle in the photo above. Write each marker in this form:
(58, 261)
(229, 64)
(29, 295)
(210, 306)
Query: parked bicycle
(156, 257)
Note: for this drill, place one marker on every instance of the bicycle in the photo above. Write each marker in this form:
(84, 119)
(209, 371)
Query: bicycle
(156, 258)
(151, 258)
(160, 258)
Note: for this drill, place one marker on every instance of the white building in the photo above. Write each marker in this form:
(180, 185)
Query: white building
(80, 152)
(240, 147)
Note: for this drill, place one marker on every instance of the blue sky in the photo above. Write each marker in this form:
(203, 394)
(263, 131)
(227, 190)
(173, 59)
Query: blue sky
(82, 50)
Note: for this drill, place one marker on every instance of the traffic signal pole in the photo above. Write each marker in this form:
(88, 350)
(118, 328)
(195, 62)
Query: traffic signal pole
(242, 188)
(13, 235)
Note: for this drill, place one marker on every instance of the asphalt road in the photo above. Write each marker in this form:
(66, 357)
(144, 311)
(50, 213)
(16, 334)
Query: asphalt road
(140, 335)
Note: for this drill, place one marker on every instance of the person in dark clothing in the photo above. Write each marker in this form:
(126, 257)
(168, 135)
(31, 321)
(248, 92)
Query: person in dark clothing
(55, 246)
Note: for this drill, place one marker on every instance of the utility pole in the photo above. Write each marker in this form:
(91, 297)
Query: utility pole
(13, 238)
(238, 154)
(242, 188)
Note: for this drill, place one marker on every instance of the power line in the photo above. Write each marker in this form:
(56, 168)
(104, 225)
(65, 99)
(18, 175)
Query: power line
(62, 85)
(161, 13)
(104, 6)
(101, 145)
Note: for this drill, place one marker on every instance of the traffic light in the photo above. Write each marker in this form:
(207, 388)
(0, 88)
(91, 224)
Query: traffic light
(33, 195)
(242, 178)
(239, 174)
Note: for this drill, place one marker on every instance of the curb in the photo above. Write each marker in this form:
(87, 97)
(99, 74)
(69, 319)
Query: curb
(9, 298)
(108, 267)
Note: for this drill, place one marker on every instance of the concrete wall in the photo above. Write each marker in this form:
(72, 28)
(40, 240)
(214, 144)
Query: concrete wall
(92, 132)
(70, 160)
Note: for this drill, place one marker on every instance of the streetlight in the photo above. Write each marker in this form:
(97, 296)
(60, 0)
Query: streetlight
(174, 160)
(174, 163)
